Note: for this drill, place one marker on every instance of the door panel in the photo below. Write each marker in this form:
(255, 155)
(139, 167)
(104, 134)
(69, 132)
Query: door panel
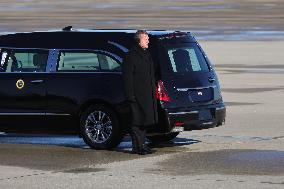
(23, 89)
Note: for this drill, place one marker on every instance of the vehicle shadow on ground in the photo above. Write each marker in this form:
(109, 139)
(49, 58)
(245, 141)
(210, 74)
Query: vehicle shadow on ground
(75, 142)
(72, 141)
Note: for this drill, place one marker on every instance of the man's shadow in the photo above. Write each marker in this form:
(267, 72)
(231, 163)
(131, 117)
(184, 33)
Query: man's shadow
(126, 145)
(173, 143)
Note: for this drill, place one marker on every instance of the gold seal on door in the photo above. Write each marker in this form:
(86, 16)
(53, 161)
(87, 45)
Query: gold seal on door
(20, 84)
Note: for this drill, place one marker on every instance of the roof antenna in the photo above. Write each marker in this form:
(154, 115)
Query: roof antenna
(67, 28)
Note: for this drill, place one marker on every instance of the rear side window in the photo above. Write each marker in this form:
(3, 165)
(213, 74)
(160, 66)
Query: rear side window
(186, 58)
(86, 61)
(27, 60)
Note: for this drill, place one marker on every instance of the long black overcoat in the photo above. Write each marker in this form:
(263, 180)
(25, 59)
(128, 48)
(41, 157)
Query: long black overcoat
(139, 86)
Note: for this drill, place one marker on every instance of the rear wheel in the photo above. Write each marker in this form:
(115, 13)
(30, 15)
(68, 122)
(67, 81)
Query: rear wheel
(163, 138)
(99, 127)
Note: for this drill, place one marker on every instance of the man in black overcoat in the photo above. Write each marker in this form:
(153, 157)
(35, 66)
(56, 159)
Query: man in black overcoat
(140, 91)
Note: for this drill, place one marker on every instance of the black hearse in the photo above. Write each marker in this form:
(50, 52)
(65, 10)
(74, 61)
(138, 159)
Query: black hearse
(70, 81)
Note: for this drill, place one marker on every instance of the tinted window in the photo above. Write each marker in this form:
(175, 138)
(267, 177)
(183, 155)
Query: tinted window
(86, 61)
(186, 58)
(23, 60)
(108, 63)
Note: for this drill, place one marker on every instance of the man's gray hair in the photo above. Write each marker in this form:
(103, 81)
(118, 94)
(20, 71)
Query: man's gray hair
(137, 35)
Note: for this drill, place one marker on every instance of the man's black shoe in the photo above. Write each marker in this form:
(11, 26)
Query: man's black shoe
(147, 149)
(140, 152)
(134, 151)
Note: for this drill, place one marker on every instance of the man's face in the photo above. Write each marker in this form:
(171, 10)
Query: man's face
(144, 41)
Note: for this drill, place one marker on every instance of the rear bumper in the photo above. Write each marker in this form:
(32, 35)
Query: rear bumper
(190, 119)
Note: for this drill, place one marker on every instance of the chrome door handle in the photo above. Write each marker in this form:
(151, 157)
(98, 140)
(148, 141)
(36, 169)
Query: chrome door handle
(37, 81)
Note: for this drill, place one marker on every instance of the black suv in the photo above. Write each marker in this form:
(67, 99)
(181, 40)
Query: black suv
(70, 81)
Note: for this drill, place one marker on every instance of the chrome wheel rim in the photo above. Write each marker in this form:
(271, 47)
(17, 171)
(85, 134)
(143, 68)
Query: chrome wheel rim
(98, 127)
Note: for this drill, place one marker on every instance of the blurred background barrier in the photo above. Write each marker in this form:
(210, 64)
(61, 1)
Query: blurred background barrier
(207, 19)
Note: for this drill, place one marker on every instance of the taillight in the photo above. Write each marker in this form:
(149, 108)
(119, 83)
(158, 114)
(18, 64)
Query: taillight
(161, 92)
(178, 124)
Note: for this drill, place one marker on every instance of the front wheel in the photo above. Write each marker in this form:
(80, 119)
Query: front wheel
(163, 138)
(99, 127)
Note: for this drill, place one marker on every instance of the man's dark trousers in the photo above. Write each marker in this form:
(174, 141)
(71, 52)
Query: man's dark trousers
(138, 136)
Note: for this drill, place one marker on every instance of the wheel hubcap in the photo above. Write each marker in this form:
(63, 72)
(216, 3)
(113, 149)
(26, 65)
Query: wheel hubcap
(98, 126)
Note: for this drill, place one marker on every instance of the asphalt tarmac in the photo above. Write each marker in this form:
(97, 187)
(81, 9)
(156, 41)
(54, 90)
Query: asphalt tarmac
(246, 152)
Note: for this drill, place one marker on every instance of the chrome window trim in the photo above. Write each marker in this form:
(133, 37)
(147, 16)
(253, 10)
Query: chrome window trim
(34, 114)
(25, 48)
(89, 72)
(47, 63)
(24, 72)
(111, 55)
(53, 55)
(121, 47)
(86, 72)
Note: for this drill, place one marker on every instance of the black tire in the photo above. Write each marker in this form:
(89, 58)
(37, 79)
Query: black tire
(163, 138)
(99, 127)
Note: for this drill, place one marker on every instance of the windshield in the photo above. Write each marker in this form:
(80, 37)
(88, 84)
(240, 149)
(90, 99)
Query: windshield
(186, 57)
